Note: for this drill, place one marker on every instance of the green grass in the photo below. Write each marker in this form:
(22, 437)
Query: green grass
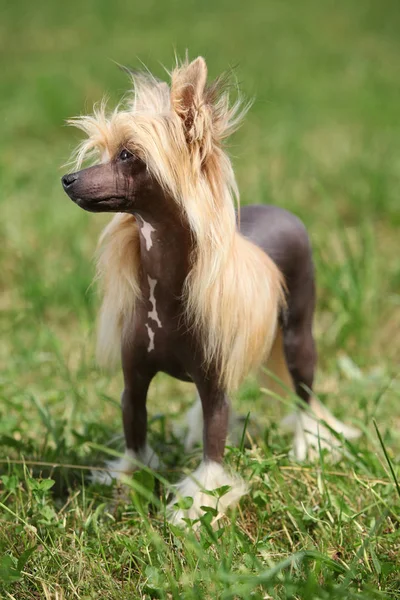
(322, 139)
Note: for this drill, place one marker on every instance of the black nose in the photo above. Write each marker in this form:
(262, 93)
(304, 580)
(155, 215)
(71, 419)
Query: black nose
(69, 179)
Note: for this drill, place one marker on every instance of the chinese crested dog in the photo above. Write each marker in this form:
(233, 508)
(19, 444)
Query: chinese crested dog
(190, 288)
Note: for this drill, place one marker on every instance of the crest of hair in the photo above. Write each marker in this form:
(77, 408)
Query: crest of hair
(233, 292)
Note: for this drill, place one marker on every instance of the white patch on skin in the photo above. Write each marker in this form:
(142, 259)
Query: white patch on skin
(126, 465)
(146, 230)
(151, 338)
(153, 313)
(209, 476)
(310, 433)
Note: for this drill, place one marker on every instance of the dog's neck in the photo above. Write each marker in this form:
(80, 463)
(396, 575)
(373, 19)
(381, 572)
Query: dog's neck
(165, 248)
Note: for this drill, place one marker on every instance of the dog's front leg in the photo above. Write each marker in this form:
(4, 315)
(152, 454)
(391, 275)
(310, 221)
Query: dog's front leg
(215, 406)
(134, 419)
(137, 378)
(200, 486)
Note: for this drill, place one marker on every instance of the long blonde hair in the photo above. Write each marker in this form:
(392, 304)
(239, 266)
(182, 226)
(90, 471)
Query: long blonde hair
(233, 292)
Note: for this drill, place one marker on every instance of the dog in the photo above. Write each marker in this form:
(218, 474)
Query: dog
(192, 287)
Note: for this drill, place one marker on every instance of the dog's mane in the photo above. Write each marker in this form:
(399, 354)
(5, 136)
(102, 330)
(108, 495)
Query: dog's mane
(233, 292)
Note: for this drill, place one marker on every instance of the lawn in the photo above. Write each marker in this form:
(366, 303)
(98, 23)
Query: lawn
(323, 140)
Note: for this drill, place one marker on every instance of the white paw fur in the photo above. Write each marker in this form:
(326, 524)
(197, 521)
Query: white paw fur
(208, 476)
(310, 433)
(126, 465)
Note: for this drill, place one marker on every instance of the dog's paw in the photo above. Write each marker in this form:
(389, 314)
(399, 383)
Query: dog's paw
(116, 470)
(311, 434)
(209, 476)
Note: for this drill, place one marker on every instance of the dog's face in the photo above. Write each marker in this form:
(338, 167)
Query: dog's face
(121, 185)
(164, 145)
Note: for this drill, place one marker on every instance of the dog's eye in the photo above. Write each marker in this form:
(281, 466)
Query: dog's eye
(125, 155)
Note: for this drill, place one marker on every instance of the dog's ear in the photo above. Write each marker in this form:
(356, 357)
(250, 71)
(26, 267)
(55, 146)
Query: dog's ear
(188, 97)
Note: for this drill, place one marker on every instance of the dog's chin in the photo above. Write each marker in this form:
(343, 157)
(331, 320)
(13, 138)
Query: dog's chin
(96, 205)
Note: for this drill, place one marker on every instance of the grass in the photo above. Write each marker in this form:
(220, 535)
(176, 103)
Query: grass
(322, 139)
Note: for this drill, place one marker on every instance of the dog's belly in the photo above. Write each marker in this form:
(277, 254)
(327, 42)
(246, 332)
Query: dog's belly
(172, 357)
(177, 372)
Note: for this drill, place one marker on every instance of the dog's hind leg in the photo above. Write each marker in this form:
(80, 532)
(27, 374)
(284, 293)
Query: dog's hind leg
(301, 358)
(194, 425)
(298, 341)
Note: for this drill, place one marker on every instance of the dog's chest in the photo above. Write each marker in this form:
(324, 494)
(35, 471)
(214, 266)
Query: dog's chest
(160, 330)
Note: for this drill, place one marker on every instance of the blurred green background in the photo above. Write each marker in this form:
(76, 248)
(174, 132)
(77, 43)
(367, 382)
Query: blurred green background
(322, 139)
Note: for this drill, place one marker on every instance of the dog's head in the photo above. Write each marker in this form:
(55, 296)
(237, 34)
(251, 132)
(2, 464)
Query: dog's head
(165, 142)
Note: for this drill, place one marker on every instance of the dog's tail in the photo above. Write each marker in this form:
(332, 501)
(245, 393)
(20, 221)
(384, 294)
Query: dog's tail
(117, 270)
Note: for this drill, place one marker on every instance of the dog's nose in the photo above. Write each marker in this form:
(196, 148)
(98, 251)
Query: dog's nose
(69, 179)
